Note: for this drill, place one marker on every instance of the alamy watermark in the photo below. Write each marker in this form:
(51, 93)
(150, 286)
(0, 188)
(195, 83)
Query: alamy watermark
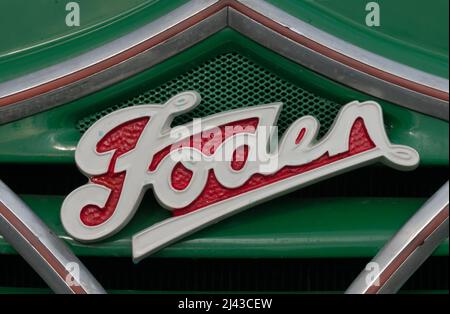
(73, 15)
(73, 274)
(373, 274)
(241, 144)
(373, 17)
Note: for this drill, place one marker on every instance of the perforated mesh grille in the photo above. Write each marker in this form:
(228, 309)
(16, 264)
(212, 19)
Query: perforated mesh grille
(231, 81)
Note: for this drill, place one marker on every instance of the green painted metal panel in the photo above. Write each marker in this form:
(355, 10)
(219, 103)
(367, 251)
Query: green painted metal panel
(290, 227)
(413, 32)
(50, 16)
(41, 38)
(51, 136)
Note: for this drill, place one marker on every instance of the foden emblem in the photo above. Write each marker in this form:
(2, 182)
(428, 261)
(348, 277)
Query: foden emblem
(211, 168)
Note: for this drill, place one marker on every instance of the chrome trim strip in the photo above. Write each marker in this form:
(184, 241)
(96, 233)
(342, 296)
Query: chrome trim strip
(410, 266)
(408, 249)
(346, 48)
(118, 72)
(41, 248)
(335, 70)
(419, 97)
(106, 51)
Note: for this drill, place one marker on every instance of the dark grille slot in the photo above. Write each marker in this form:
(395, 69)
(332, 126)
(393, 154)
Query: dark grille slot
(365, 182)
(226, 274)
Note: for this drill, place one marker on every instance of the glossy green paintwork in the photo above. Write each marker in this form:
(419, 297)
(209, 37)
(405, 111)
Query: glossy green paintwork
(51, 136)
(412, 32)
(287, 227)
(50, 16)
(41, 38)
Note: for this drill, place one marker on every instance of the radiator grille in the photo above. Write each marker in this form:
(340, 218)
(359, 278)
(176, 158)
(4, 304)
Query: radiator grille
(231, 81)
